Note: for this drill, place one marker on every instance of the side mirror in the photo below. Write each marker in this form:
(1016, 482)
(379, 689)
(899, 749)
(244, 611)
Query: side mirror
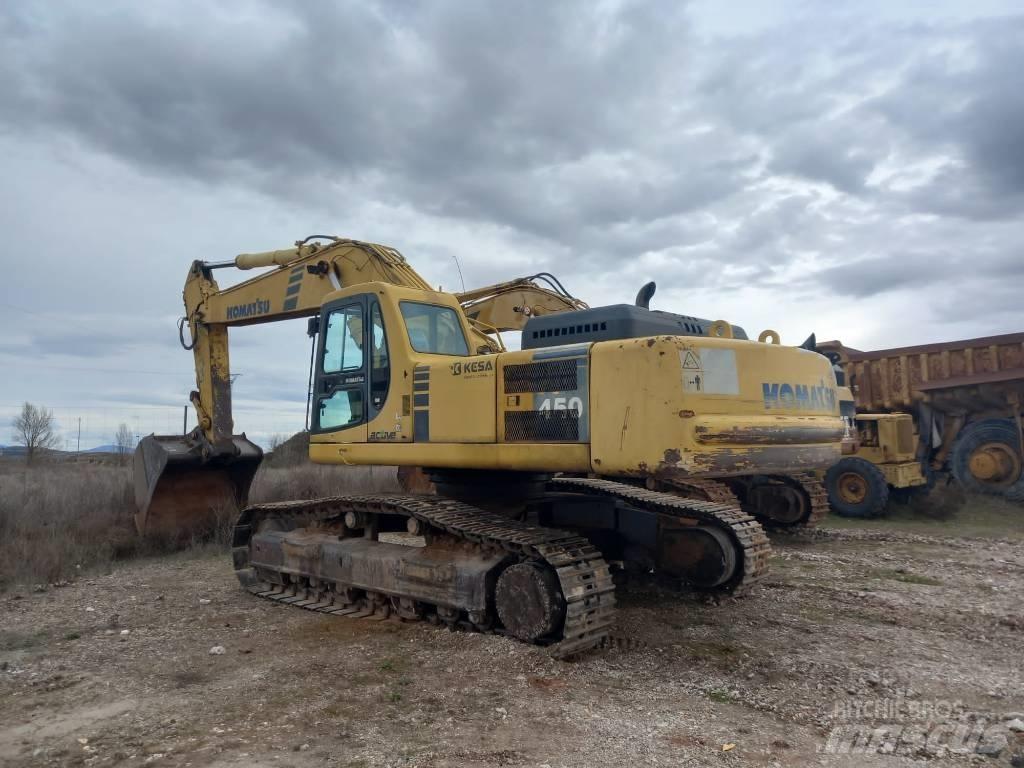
(313, 326)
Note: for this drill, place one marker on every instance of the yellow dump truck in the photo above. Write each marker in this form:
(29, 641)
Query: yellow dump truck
(952, 407)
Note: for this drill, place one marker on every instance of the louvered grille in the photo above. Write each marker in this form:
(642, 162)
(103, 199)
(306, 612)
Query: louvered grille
(905, 436)
(546, 376)
(542, 426)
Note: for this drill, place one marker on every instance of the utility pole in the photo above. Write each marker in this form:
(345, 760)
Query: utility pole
(184, 420)
(79, 448)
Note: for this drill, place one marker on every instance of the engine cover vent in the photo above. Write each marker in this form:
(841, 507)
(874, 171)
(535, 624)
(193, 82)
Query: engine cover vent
(545, 376)
(542, 426)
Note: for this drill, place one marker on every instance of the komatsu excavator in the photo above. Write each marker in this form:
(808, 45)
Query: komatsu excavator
(617, 438)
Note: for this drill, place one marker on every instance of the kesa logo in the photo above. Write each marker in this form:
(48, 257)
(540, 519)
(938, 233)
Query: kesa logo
(473, 366)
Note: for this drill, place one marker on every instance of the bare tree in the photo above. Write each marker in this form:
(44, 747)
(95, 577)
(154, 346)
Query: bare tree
(35, 429)
(276, 441)
(124, 442)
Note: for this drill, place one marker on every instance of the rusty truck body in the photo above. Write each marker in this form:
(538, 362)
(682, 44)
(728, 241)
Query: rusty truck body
(949, 407)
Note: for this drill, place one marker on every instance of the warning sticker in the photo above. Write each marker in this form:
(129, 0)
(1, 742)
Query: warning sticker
(710, 371)
(690, 360)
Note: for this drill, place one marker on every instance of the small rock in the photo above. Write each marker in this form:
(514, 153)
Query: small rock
(304, 747)
(992, 748)
(218, 650)
(1016, 725)
(89, 609)
(1017, 761)
(125, 632)
(108, 632)
(204, 601)
(501, 711)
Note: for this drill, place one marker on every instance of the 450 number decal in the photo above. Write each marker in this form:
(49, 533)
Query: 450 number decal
(562, 404)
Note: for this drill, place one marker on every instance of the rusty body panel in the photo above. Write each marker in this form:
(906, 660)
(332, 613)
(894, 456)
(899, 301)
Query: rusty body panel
(712, 407)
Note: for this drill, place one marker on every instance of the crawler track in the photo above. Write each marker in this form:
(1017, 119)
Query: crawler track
(701, 489)
(753, 548)
(583, 576)
(811, 489)
(816, 493)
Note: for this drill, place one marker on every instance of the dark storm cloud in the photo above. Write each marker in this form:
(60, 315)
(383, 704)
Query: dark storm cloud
(849, 157)
(546, 117)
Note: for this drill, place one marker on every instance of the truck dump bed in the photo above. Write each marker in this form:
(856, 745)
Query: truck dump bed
(968, 375)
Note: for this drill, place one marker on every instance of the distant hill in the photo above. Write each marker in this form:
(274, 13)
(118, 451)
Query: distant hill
(102, 449)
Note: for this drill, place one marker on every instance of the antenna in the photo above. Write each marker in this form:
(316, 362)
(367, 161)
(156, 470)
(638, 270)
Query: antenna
(460, 272)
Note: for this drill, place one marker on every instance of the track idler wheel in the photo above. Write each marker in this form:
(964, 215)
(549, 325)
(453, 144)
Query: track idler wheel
(529, 601)
(779, 504)
(702, 556)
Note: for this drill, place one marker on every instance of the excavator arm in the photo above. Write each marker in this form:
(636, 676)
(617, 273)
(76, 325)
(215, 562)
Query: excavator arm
(507, 306)
(176, 477)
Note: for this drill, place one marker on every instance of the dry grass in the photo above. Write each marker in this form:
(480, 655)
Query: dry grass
(59, 519)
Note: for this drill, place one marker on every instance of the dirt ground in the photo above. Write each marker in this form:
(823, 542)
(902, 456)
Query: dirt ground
(919, 627)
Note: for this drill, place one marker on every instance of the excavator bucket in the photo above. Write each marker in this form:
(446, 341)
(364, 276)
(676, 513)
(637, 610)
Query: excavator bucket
(180, 493)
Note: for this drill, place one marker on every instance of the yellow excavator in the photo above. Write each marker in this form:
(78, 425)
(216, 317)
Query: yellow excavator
(617, 439)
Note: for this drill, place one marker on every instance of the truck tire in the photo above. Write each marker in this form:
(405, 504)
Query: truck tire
(987, 459)
(856, 488)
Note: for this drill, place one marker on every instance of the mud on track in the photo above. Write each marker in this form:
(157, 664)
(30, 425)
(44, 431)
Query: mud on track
(850, 621)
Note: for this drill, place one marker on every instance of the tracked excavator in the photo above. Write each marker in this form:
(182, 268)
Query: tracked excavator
(617, 439)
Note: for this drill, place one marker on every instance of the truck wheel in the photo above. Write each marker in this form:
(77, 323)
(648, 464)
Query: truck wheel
(856, 488)
(987, 458)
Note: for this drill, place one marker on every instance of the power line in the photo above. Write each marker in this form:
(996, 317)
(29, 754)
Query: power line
(108, 370)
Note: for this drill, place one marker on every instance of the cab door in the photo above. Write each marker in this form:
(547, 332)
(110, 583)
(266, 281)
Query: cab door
(342, 385)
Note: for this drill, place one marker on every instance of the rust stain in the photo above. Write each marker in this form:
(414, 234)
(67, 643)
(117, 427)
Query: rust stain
(673, 456)
(765, 460)
(769, 435)
(686, 413)
(651, 342)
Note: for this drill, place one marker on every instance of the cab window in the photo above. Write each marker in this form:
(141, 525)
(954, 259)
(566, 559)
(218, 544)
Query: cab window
(343, 408)
(433, 329)
(343, 340)
(380, 366)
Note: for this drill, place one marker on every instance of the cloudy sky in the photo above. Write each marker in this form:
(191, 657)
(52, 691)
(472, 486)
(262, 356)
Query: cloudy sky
(852, 169)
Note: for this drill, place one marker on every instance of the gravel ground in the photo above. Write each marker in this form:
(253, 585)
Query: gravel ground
(853, 629)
